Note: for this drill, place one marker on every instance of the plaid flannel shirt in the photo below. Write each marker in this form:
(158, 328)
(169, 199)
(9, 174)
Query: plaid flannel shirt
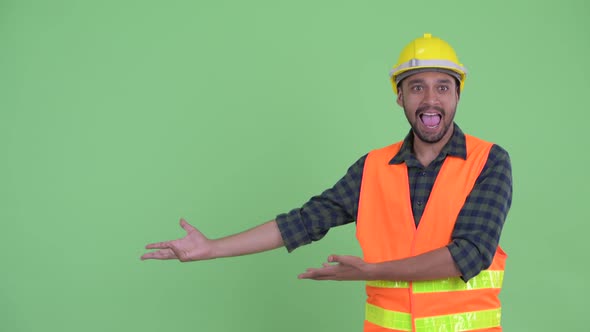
(478, 226)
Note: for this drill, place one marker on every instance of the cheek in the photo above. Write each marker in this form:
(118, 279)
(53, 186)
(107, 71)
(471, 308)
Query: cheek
(410, 113)
(411, 104)
(451, 100)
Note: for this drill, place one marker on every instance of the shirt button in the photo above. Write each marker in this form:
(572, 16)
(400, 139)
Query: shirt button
(419, 203)
(423, 173)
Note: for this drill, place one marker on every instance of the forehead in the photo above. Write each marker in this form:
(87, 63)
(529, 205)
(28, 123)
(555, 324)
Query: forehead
(429, 77)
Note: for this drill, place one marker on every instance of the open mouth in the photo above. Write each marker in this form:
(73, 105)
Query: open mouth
(430, 120)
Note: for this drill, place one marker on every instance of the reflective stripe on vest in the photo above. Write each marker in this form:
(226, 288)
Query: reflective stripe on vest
(465, 321)
(485, 279)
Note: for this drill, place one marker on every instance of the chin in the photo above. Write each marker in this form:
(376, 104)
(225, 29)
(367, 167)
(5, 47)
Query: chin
(431, 137)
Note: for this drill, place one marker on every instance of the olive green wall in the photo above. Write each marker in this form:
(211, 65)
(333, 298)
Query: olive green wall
(119, 117)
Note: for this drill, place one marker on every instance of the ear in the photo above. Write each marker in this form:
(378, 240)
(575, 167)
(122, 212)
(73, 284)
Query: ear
(400, 97)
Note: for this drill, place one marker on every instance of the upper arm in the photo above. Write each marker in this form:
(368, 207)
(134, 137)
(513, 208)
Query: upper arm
(480, 221)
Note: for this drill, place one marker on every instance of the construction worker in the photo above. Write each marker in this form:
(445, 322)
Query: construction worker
(429, 211)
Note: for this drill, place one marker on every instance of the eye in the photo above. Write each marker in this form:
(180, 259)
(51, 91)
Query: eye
(443, 88)
(417, 88)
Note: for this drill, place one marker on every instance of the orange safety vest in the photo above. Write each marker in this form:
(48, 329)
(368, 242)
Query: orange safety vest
(386, 231)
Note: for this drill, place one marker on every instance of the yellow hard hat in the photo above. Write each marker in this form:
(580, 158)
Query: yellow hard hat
(425, 54)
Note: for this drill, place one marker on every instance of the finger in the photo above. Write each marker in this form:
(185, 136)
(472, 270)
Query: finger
(186, 226)
(160, 254)
(326, 268)
(332, 278)
(307, 274)
(316, 276)
(317, 272)
(333, 258)
(158, 245)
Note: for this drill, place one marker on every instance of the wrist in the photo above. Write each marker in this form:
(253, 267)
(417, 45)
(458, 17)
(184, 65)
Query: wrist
(371, 271)
(215, 249)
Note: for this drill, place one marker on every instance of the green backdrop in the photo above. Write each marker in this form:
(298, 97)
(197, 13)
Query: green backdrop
(119, 117)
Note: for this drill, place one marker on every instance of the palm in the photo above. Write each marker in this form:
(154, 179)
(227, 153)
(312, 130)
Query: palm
(194, 246)
(339, 268)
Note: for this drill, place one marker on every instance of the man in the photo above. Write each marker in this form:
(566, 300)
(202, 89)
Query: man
(429, 211)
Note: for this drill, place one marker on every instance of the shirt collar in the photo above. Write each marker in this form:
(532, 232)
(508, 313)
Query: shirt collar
(455, 147)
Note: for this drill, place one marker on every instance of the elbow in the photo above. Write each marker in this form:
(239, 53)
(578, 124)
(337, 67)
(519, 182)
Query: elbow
(470, 257)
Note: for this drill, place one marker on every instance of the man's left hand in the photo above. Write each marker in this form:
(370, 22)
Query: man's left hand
(340, 268)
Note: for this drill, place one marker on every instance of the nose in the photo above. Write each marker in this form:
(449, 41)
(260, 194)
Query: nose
(430, 96)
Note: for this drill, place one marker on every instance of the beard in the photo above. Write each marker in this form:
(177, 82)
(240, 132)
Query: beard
(430, 137)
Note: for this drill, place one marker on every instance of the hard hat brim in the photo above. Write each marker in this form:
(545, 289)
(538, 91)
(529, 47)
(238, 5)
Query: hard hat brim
(400, 77)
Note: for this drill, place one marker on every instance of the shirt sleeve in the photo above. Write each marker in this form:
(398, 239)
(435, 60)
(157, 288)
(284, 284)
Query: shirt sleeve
(334, 207)
(480, 221)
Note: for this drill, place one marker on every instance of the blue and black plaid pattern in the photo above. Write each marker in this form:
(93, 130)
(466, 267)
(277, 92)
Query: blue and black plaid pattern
(479, 224)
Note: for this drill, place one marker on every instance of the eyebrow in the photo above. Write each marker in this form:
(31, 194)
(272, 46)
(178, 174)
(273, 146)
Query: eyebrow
(416, 80)
(419, 80)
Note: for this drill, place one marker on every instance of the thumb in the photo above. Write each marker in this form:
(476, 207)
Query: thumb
(187, 227)
(347, 260)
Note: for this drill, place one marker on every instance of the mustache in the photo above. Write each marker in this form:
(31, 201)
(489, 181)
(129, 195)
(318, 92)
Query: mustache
(425, 108)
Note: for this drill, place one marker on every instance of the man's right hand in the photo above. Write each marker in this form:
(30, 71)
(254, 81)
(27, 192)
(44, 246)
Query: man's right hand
(193, 247)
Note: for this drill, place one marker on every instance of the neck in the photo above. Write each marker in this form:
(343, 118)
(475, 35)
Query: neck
(426, 152)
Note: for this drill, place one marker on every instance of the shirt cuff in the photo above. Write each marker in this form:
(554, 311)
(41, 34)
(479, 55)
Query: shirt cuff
(466, 258)
(292, 230)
